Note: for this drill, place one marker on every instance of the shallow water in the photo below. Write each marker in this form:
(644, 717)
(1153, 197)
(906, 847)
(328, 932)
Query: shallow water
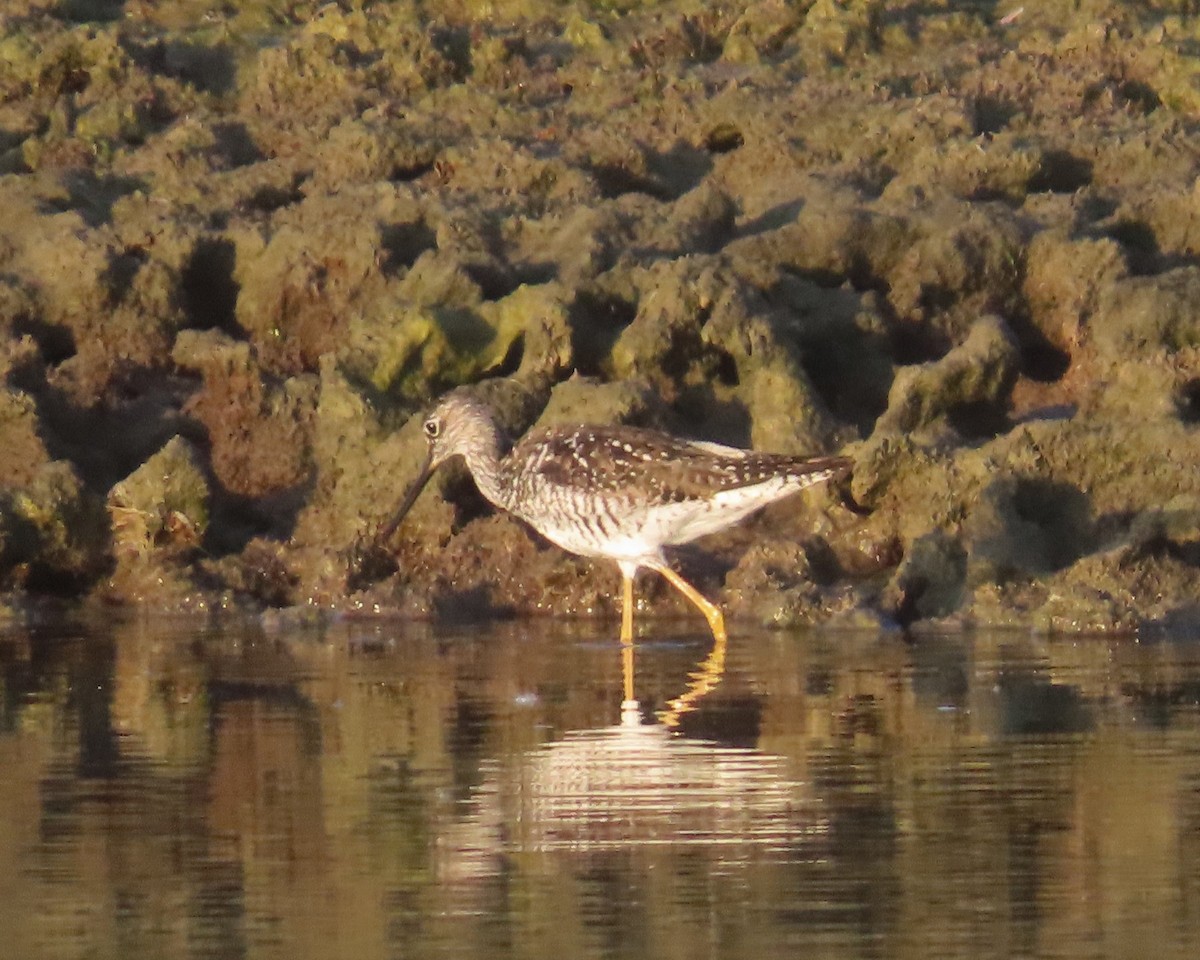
(399, 791)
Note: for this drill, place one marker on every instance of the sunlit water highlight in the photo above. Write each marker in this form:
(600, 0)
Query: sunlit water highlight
(400, 791)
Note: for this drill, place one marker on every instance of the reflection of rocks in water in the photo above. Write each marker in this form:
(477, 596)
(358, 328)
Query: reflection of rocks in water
(631, 786)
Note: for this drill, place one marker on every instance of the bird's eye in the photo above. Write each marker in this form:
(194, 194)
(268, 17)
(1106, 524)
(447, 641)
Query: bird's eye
(433, 428)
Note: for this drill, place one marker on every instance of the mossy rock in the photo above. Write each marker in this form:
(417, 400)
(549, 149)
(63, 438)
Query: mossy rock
(164, 503)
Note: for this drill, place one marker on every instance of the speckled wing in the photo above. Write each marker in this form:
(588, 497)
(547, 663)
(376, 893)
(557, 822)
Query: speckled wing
(656, 468)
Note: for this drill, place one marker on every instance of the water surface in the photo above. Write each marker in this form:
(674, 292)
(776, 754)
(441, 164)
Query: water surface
(402, 791)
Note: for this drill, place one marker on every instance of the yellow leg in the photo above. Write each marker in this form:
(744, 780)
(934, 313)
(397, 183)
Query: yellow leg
(712, 613)
(627, 636)
(626, 608)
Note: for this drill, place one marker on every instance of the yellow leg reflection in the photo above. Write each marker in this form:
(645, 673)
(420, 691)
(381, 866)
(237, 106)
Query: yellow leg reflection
(702, 680)
(630, 712)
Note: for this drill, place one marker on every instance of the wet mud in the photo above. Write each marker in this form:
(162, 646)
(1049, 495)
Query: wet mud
(242, 248)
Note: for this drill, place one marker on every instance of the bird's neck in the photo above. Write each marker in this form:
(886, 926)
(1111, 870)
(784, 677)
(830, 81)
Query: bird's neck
(485, 463)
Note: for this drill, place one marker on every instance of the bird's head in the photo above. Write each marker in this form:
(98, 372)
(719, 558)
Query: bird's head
(457, 426)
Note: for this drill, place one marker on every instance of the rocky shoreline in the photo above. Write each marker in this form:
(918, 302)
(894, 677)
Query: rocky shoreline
(243, 249)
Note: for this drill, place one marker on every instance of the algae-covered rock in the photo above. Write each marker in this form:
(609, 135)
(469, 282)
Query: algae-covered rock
(780, 584)
(259, 428)
(359, 469)
(664, 337)
(51, 532)
(700, 331)
(761, 30)
(701, 221)
(1025, 527)
(586, 400)
(1003, 166)
(1140, 314)
(1065, 278)
(582, 244)
(930, 581)
(375, 146)
(839, 29)
(300, 284)
(412, 350)
(963, 260)
(953, 242)
(24, 451)
(785, 410)
(973, 380)
(534, 318)
(163, 505)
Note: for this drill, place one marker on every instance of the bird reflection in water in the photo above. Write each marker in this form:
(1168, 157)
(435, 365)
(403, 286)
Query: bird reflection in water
(634, 785)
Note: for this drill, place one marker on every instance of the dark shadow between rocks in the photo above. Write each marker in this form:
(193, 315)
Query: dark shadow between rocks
(664, 176)
(1027, 526)
(235, 145)
(119, 274)
(913, 343)
(681, 168)
(24, 543)
(848, 364)
(454, 43)
(459, 490)
(723, 421)
(140, 414)
(778, 216)
(1140, 246)
(1187, 401)
(1041, 360)
(497, 281)
(1186, 552)
(212, 69)
(83, 11)
(1062, 512)
(412, 169)
(992, 114)
(92, 197)
(368, 562)
(510, 363)
(208, 288)
(1061, 172)
(616, 180)
(55, 343)
(596, 321)
(930, 580)
(979, 420)
(236, 520)
(403, 243)
(270, 198)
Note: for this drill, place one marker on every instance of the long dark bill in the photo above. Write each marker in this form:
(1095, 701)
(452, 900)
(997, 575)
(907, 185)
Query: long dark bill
(410, 497)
